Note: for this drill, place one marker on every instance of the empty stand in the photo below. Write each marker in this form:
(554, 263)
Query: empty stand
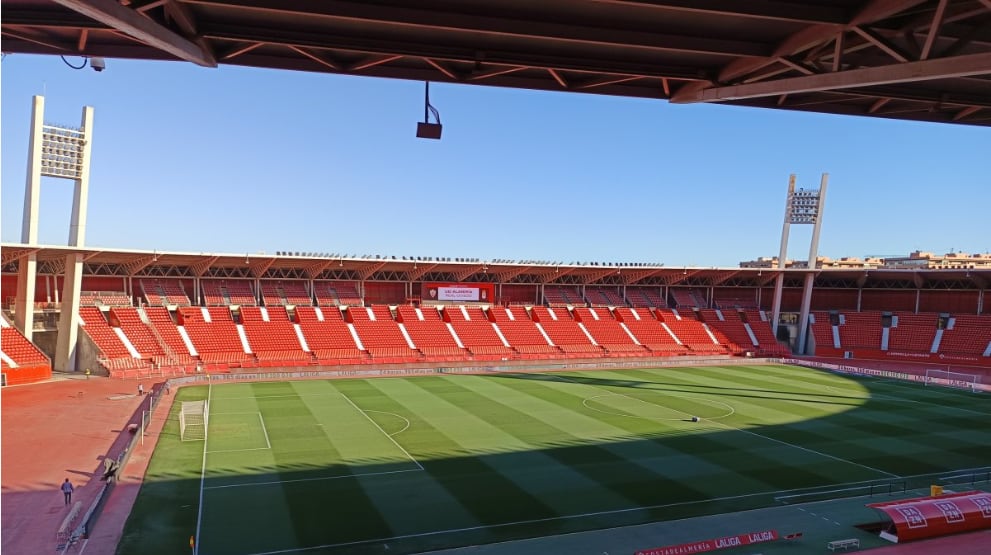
(102, 334)
(21, 352)
(279, 293)
(476, 332)
(913, 332)
(227, 292)
(564, 331)
(860, 330)
(272, 336)
(380, 334)
(429, 332)
(603, 296)
(328, 336)
(337, 293)
(691, 332)
(735, 298)
(649, 332)
(141, 336)
(729, 331)
(762, 330)
(646, 297)
(104, 298)
(608, 332)
(164, 292)
(521, 332)
(216, 341)
(970, 335)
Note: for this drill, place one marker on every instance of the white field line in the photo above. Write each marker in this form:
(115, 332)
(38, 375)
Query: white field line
(268, 443)
(799, 447)
(374, 423)
(341, 477)
(287, 395)
(199, 515)
(406, 427)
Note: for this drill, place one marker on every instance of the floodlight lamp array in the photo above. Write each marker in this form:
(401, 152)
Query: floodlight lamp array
(803, 206)
(62, 151)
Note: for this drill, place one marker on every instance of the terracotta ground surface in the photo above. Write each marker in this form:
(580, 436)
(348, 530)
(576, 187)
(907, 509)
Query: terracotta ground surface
(59, 429)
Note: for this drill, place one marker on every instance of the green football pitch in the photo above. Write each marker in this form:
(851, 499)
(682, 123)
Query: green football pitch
(403, 465)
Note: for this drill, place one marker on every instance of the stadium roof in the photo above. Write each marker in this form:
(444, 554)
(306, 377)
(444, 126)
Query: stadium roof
(924, 60)
(152, 264)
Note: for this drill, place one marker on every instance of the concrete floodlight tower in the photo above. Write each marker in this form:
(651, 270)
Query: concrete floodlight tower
(803, 207)
(61, 151)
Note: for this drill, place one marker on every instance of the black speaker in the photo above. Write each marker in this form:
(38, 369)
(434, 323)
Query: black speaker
(426, 130)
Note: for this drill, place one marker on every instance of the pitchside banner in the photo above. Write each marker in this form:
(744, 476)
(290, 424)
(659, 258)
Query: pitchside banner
(455, 292)
(713, 545)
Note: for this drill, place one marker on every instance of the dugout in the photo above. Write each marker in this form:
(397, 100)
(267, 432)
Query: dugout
(929, 517)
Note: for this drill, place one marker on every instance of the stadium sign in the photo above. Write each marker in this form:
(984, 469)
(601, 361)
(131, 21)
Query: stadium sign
(714, 544)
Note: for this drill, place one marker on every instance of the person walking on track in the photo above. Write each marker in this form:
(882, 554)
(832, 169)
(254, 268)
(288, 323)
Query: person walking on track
(67, 490)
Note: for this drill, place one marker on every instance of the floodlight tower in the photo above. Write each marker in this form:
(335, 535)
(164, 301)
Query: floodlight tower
(802, 207)
(60, 151)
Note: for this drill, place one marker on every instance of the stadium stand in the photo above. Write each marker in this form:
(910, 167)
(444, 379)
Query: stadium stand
(21, 361)
(429, 333)
(692, 333)
(564, 331)
(104, 298)
(912, 332)
(645, 297)
(476, 332)
(272, 336)
(381, 334)
(556, 296)
(214, 335)
(860, 330)
(732, 298)
(650, 331)
(608, 332)
(227, 292)
(966, 334)
(164, 292)
(329, 337)
(767, 344)
(337, 293)
(521, 332)
(601, 296)
(279, 293)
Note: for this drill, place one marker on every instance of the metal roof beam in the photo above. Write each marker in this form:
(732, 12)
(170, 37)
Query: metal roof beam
(940, 68)
(814, 35)
(439, 20)
(141, 28)
(756, 9)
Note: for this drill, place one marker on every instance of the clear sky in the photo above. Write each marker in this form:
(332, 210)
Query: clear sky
(236, 160)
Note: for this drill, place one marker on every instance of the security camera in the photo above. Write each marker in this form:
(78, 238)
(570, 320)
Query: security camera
(98, 64)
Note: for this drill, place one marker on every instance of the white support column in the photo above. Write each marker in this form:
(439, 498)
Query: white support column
(68, 324)
(803, 316)
(80, 194)
(27, 270)
(779, 282)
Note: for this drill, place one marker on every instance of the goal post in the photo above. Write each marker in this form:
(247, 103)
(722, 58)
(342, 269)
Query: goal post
(193, 419)
(946, 378)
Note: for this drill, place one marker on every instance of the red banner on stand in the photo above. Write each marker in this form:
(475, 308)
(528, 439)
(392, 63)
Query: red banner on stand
(714, 544)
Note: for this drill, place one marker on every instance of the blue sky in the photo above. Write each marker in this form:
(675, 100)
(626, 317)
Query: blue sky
(239, 160)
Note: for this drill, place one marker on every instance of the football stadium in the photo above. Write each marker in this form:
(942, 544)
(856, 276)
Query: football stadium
(311, 402)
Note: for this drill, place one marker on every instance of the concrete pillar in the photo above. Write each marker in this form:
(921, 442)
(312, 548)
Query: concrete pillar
(27, 271)
(68, 324)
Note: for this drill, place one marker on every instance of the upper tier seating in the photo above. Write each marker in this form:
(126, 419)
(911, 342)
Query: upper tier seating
(104, 298)
(164, 292)
(562, 296)
(603, 296)
(724, 298)
(687, 298)
(278, 293)
(337, 293)
(646, 297)
(228, 292)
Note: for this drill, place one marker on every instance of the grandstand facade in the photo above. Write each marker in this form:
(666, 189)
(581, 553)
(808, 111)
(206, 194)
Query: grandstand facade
(150, 313)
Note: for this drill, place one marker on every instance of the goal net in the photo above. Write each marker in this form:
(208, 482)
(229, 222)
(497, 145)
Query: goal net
(946, 378)
(193, 418)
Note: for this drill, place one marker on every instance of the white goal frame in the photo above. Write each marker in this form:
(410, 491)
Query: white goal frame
(947, 378)
(193, 419)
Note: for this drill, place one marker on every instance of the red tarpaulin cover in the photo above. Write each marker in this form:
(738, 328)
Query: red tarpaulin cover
(928, 517)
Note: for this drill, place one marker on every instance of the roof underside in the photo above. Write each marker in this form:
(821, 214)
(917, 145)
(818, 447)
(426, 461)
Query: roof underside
(927, 60)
